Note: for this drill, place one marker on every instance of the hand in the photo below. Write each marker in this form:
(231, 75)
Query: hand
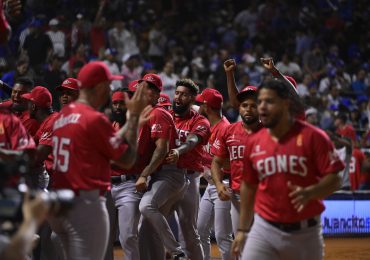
(299, 195)
(173, 156)
(35, 209)
(145, 115)
(229, 65)
(268, 63)
(238, 243)
(138, 102)
(223, 192)
(13, 7)
(141, 185)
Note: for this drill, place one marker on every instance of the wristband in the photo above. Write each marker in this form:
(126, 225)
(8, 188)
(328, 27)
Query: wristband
(243, 230)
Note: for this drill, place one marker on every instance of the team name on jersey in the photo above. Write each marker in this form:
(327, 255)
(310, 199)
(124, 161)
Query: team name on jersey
(70, 119)
(282, 163)
(182, 134)
(236, 152)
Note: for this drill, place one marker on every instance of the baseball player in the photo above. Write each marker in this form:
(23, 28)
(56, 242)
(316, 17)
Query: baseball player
(193, 131)
(355, 168)
(68, 91)
(167, 184)
(289, 166)
(118, 109)
(212, 210)
(19, 106)
(84, 142)
(229, 149)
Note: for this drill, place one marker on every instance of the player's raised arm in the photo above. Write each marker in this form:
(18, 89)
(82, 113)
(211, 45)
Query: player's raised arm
(232, 90)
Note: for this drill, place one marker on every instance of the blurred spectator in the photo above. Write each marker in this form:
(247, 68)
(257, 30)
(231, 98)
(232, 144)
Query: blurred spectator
(157, 44)
(80, 31)
(302, 87)
(314, 62)
(131, 69)
(311, 116)
(359, 86)
(289, 67)
(343, 128)
(247, 19)
(57, 37)
(98, 39)
(37, 45)
(110, 60)
(80, 55)
(121, 39)
(169, 79)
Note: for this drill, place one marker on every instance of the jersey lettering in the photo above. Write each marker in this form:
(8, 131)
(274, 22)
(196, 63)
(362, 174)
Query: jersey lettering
(352, 165)
(236, 152)
(182, 134)
(283, 164)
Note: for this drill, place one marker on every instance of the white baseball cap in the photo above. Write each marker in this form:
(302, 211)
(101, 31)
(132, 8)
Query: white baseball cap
(53, 22)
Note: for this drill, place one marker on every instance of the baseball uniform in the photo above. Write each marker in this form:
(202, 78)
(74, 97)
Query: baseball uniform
(212, 210)
(302, 156)
(84, 142)
(230, 145)
(192, 161)
(355, 168)
(166, 187)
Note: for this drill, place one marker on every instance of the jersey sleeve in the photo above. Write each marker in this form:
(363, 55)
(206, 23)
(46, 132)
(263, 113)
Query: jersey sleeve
(325, 157)
(46, 135)
(250, 175)
(105, 138)
(219, 147)
(160, 126)
(201, 128)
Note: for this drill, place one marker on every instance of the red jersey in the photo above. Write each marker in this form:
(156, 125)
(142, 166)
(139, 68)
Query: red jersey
(230, 144)
(347, 131)
(215, 130)
(160, 125)
(303, 156)
(44, 136)
(84, 142)
(192, 123)
(29, 123)
(355, 168)
(13, 135)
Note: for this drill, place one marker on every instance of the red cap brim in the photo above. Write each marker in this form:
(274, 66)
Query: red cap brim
(199, 98)
(116, 77)
(27, 96)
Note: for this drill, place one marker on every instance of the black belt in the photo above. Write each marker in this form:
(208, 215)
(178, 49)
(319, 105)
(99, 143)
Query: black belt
(122, 178)
(295, 226)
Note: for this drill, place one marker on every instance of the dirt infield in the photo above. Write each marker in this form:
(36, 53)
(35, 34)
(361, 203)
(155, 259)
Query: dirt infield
(335, 249)
(347, 248)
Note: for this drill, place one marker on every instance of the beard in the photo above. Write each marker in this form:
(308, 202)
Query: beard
(119, 116)
(249, 121)
(179, 109)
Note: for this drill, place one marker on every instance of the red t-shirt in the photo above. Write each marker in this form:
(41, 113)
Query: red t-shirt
(13, 135)
(84, 142)
(215, 130)
(303, 156)
(230, 144)
(44, 136)
(192, 123)
(160, 125)
(355, 168)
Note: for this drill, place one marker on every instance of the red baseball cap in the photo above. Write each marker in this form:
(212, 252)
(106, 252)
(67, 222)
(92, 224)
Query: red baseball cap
(40, 96)
(164, 100)
(211, 97)
(247, 89)
(154, 79)
(94, 73)
(132, 86)
(292, 80)
(70, 83)
(118, 96)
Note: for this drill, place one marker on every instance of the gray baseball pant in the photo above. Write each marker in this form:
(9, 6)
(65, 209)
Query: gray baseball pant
(235, 211)
(84, 231)
(127, 201)
(187, 211)
(167, 186)
(215, 212)
(266, 242)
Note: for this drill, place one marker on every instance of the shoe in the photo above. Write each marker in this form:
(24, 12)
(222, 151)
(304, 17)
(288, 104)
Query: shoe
(180, 256)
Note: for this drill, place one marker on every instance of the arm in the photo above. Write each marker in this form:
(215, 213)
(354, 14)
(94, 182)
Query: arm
(217, 175)
(191, 141)
(268, 64)
(159, 154)
(300, 196)
(232, 90)
(247, 196)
